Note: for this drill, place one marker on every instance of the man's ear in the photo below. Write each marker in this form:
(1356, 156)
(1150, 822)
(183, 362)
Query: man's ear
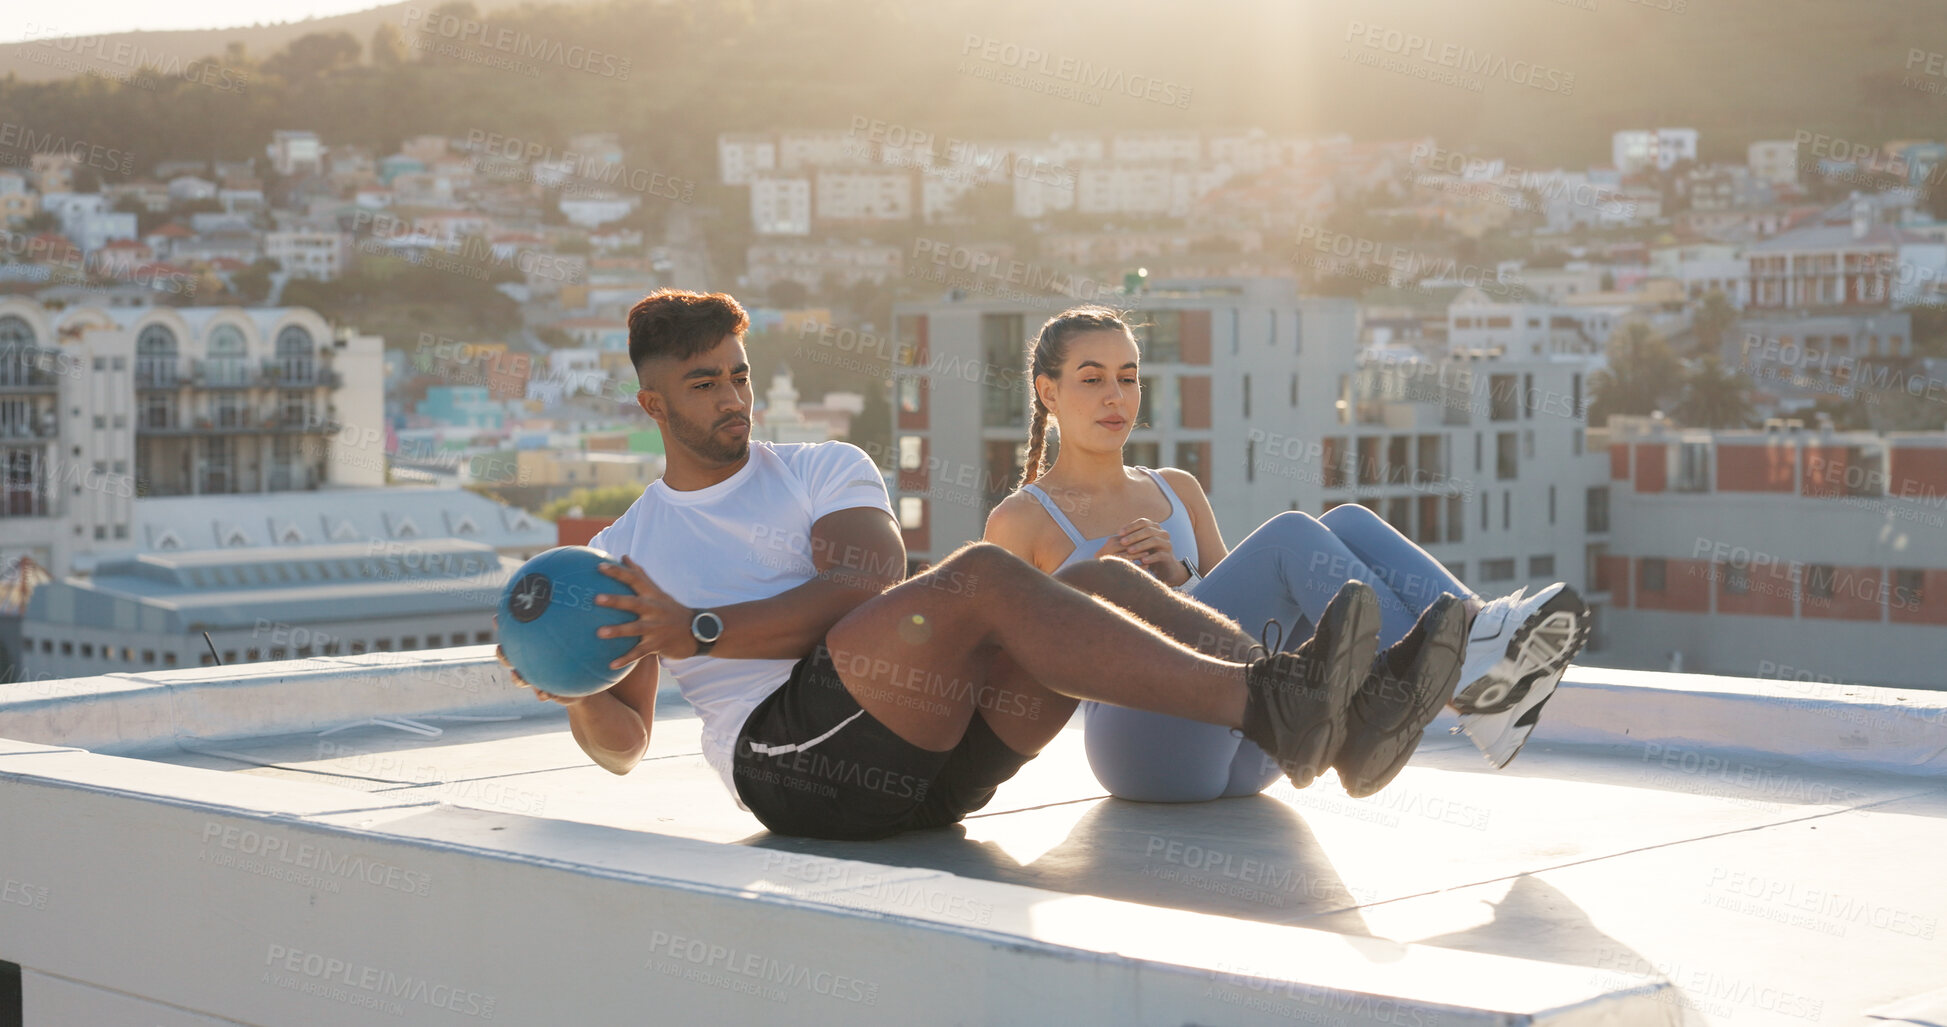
(651, 403)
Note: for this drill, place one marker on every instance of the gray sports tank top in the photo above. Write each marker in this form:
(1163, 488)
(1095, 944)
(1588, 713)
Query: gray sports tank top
(1183, 535)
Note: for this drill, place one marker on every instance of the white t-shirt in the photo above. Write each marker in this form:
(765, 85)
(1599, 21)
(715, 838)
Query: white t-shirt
(746, 537)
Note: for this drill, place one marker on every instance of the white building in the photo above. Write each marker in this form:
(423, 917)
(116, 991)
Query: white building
(102, 403)
(1264, 397)
(295, 152)
(1146, 147)
(1634, 150)
(810, 151)
(1110, 188)
(740, 156)
(780, 204)
(1774, 161)
(598, 209)
(864, 195)
(809, 264)
(309, 254)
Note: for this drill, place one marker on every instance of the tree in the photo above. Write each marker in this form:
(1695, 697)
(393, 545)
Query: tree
(1714, 397)
(388, 50)
(253, 282)
(1641, 375)
(609, 501)
(311, 56)
(1715, 316)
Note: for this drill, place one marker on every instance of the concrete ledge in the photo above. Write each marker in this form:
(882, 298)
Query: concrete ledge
(145, 712)
(268, 901)
(1679, 716)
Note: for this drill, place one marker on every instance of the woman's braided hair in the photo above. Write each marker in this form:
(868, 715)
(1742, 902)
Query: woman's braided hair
(1049, 350)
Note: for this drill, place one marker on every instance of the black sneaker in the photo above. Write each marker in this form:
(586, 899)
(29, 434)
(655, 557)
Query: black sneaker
(1409, 683)
(1296, 703)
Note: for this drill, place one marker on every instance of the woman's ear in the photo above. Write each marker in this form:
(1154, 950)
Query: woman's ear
(1044, 390)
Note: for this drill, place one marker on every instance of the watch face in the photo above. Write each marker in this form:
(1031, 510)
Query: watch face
(706, 627)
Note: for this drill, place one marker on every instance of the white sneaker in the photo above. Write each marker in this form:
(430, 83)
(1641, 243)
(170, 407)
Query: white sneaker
(1516, 653)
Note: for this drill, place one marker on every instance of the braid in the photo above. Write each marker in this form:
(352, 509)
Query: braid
(1037, 435)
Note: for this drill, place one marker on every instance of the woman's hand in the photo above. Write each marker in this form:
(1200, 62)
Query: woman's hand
(1145, 543)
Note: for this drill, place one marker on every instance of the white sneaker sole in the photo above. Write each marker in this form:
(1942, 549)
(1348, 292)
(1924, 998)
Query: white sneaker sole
(1543, 644)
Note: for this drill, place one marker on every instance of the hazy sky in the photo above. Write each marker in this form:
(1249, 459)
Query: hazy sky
(93, 17)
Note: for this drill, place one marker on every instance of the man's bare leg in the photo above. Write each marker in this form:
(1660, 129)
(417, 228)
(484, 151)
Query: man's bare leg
(982, 619)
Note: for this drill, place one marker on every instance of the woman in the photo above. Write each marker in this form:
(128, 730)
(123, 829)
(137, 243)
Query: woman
(1089, 505)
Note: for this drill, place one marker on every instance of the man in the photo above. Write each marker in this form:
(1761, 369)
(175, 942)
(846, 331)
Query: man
(838, 702)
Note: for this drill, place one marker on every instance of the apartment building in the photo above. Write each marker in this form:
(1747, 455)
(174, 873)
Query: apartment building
(810, 263)
(1779, 553)
(780, 204)
(743, 155)
(1266, 397)
(309, 254)
(863, 196)
(102, 405)
(1774, 161)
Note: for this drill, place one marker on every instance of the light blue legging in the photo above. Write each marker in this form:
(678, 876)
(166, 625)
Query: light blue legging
(1287, 570)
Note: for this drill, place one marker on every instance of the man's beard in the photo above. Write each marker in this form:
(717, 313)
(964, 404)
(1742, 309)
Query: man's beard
(704, 442)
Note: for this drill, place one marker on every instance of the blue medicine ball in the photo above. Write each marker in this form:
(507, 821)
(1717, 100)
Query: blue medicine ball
(548, 618)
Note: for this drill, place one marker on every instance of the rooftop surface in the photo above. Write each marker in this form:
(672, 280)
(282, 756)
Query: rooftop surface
(1624, 866)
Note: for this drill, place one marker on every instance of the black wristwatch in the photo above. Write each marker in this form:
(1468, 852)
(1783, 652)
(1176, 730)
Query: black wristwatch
(706, 627)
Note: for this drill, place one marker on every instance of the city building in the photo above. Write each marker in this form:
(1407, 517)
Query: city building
(809, 264)
(740, 156)
(1740, 552)
(1774, 161)
(308, 253)
(864, 196)
(295, 153)
(1266, 398)
(1636, 150)
(102, 405)
(780, 204)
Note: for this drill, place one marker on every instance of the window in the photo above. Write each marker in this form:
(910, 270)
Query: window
(1820, 580)
(101, 421)
(229, 656)
(101, 531)
(1507, 460)
(1507, 510)
(1189, 456)
(1454, 518)
(409, 642)
(1736, 580)
(1503, 402)
(67, 648)
(482, 637)
(1145, 410)
(909, 452)
(383, 645)
(1247, 396)
(1333, 473)
(909, 395)
(1497, 570)
(912, 512)
(1527, 394)
(1485, 503)
(358, 648)
(1369, 473)
(1159, 335)
(1528, 444)
(1397, 470)
(1294, 390)
(87, 649)
(331, 649)
(1458, 569)
(1909, 588)
(1250, 459)
(303, 652)
(1551, 504)
(148, 656)
(168, 659)
(1598, 510)
(208, 660)
(433, 641)
(253, 655)
(1399, 514)
(1651, 573)
(1541, 566)
(47, 645)
(1693, 467)
(1477, 452)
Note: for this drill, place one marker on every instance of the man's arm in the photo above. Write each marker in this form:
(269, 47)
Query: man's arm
(612, 726)
(857, 553)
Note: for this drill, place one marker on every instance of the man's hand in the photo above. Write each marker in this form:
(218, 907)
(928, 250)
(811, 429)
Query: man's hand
(501, 655)
(1145, 543)
(662, 622)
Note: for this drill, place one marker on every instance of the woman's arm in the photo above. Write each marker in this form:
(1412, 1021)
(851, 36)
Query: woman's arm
(1014, 525)
(1210, 540)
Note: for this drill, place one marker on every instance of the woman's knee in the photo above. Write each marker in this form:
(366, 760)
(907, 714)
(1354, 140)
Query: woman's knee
(1348, 514)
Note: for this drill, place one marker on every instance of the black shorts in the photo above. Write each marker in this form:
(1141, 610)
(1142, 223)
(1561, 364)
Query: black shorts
(828, 769)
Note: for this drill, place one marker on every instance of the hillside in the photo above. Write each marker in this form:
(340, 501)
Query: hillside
(1736, 70)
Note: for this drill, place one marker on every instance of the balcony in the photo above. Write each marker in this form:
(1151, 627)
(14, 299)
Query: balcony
(17, 375)
(160, 373)
(290, 373)
(357, 812)
(225, 374)
(31, 428)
